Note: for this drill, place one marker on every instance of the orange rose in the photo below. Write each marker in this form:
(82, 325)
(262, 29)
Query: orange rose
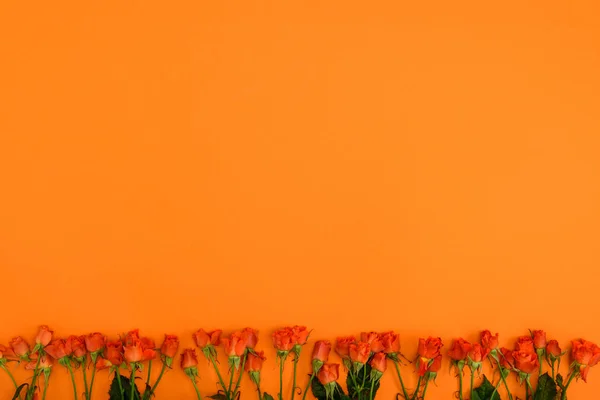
(250, 337)
(45, 362)
(254, 362)
(488, 341)
(170, 346)
(131, 336)
(553, 349)
(477, 353)
(525, 361)
(342, 345)
(359, 352)
(329, 373)
(459, 349)
(300, 335)
(77, 345)
(189, 359)
(586, 355)
(284, 339)
(203, 338)
(114, 352)
(390, 342)
(19, 347)
(94, 342)
(379, 362)
(148, 348)
(103, 363)
(321, 350)
(430, 347)
(373, 339)
(234, 345)
(7, 353)
(525, 344)
(436, 365)
(539, 339)
(58, 349)
(44, 336)
(134, 351)
(507, 360)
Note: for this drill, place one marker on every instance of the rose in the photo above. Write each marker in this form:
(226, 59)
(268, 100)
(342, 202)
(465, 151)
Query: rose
(359, 352)
(436, 365)
(525, 344)
(114, 352)
(379, 362)
(44, 336)
(234, 345)
(390, 342)
(329, 373)
(103, 363)
(488, 340)
(284, 340)
(133, 352)
(148, 349)
(321, 350)
(255, 361)
(189, 359)
(525, 361)
(539, 339)
(300, 335)
(131, 336)
(45, 362)
(507, 360)
(203, 338)
(342, 345)
(58, 349)
(586, 355)
(169, 346)
(250, 337)
(19, 347)
(553, 349)
(459, 349)
(477, 353)
(77, 345)
(94, 342)
(6, 353)
(374, 339)
(430, 347)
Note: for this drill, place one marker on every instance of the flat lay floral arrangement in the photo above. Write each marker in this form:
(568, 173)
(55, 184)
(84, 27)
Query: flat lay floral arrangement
(129, 360)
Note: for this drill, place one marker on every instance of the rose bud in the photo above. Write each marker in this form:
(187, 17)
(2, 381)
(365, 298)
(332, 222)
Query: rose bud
(378, 365)
(320, 354)
(342, 345)
(539, 340)
(249, 337)
(373, 339)
(459, 349)
(235, 347)
(328, 375)
(134, 352)
(526, 362)
(58, 349)
(390, 342)
(94, 343)
(489, 341)
(553, 349)
(507, 360)
(525, 344)
(148, 349)
(19, 347)
(6, 353)
(77, 346)
(283, 341)
(169, 349)
(203, 338)
(114, 352)
(103, 363)
(189, 363)
(44, 336)
(254, 364)
(586, 355)
(359, 353)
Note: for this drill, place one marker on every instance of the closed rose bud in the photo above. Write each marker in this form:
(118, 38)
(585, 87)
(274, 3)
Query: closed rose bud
(133, 352)
(459, 349)
(58, 349)
(19, 346)
(94, 342)
(131, 336)
(488, 340)
(359, 352)
(148, 349)
(539, 339)
(234, 345)
(189, 359)
(329, 373)
(507, 360)
(283, 339)
(373, 339)
(203, 338)
(249, 337)
(477, 353)
(342, 345)
(254, 362)
(45, 362)
(103, 363)
(430, 347)
(321, 350)
(114, 352)
(300, 335)
(379, 362)
(390, 342)
(170, 346)
(553, 349)
(77, 345)
(435, 365)
(44, 336)
(6, 353)
(526, 362)
(525, 344)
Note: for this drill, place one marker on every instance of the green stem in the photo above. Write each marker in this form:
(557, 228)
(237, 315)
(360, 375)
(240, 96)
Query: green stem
(232, 373)
(259, 392)
(132, 382)
(308, 385)
(401, 381)
(149, 373)
(12, 378)
(92, 380)
(118, 376)
(72, 379)
(503, 379)
(196, 387)
(46, 379)
(496, 388)
(416, 393)
(36, 373)
(221, 381)
(241, 373)
(281, 361)
(85, 383)
(295, 369)
(355, 384)
(460, 384)
(563, 395)
(530, 387)
(425, 389)
(540, 362)
(372, 388)
(162, 371)
(553, 372)
(472, 382)
(526, 391)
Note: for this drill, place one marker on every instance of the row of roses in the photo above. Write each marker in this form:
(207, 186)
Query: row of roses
(365, 360)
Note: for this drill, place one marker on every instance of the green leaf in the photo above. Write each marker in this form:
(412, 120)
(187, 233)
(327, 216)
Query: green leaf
(485, 391)
(18, 391)
(559, 381)
(267, 396)
(364, 380)
(115, 393)
(319, 392)
(546, 388)
(218, 396)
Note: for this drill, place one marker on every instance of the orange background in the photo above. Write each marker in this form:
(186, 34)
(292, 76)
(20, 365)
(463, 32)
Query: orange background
(429, 167)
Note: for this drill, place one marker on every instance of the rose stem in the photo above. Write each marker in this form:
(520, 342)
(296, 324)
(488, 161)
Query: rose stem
(132, 381)
(472, 381)
(93, 375)
(400, 378)
(563, 395)
(214, 363)
(12, 378)
(425, 390)
(72, 379)
(196, 387)
(118, 376)
(162, 371)
(295, 369)
(308, 385)
(241, 373)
